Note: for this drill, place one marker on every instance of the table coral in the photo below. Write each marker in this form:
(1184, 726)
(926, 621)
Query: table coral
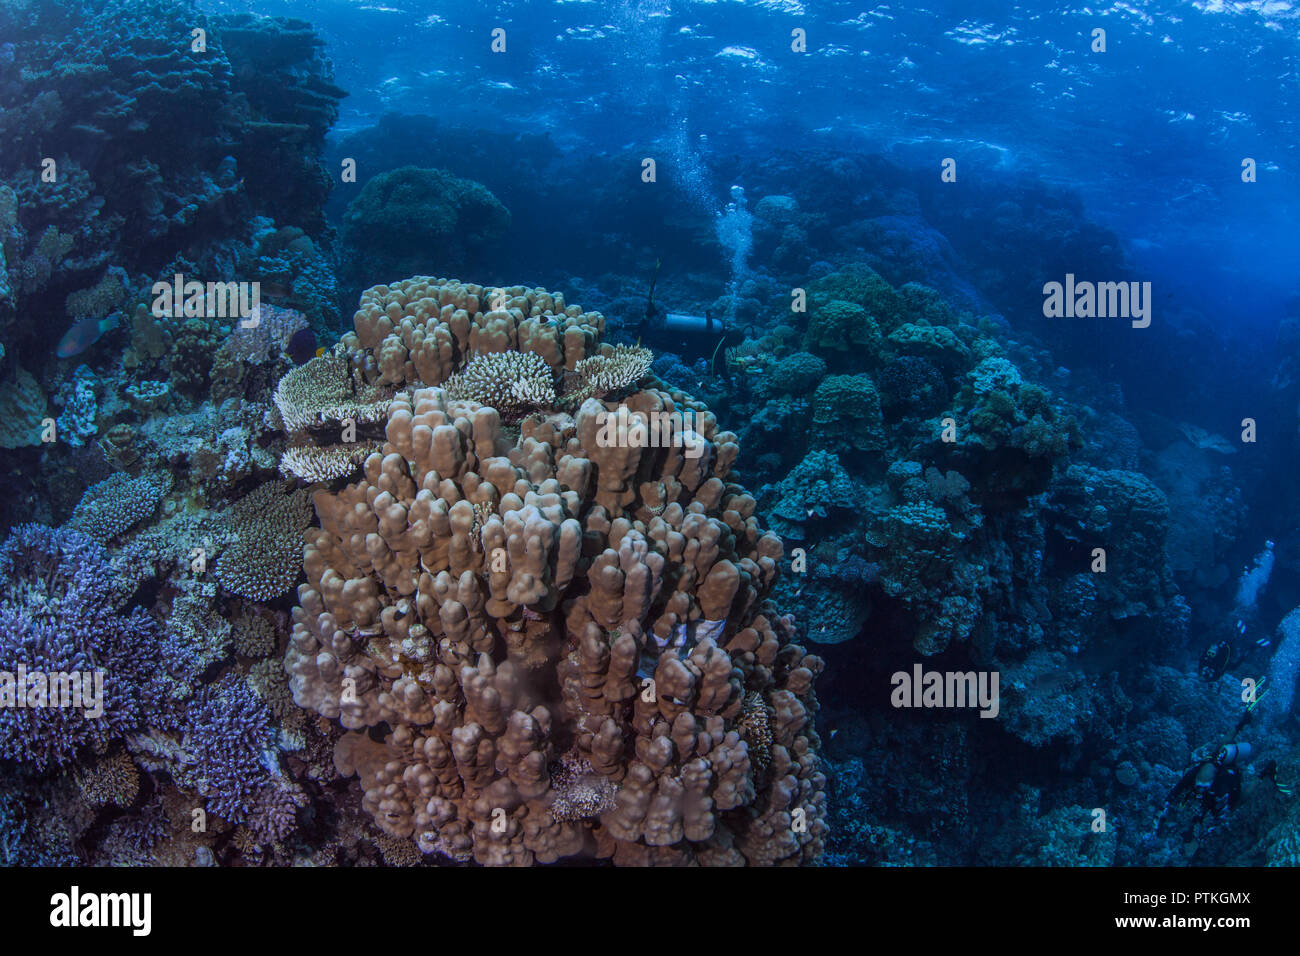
(315, 401)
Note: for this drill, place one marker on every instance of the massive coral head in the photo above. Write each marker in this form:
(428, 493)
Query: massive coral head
(528, 611)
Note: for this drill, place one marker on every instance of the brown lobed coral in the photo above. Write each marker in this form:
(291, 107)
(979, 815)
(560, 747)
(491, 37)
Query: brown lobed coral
(424, 329)
(546, 648)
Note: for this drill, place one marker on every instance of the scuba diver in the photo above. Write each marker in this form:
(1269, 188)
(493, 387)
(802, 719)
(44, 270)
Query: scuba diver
(1215, 661)
(1221, 655)
(687, 335)
(1213, 785)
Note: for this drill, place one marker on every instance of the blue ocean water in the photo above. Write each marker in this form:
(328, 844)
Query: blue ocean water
(951, 519)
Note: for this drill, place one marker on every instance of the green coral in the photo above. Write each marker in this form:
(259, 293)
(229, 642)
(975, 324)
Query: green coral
(414, 221)
(927, 305)
(846, 414)
(997, 409)
(938, 343)
(795, 374)
(839, 326)
(863, 286)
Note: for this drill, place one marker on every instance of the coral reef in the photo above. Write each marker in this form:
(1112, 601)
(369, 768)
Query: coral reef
(186, 141)
(118, 503)
(526, 637)
(22, 410)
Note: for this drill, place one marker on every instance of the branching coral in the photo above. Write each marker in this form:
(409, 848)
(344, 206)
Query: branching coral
(511, 382)
(229, 741)
(265, 558)
(614, 372)
(195, 636)
(118, 503)
(58, 616)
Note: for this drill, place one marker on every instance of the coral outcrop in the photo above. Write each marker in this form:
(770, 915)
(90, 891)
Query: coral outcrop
(480, 605)
(413, 220)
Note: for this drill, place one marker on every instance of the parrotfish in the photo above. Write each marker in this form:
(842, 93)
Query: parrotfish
(83, 335)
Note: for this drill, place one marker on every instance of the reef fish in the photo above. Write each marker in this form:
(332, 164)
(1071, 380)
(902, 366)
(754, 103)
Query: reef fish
(302, 346)
(683, 637)
(83, 335)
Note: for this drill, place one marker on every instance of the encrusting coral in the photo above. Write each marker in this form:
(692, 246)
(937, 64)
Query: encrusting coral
(480, 606)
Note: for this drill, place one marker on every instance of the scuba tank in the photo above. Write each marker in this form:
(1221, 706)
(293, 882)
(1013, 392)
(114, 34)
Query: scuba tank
(690, 336)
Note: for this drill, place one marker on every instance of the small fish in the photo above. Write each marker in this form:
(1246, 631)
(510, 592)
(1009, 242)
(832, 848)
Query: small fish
(1263, 642)
(302, 346)
(83, 335)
